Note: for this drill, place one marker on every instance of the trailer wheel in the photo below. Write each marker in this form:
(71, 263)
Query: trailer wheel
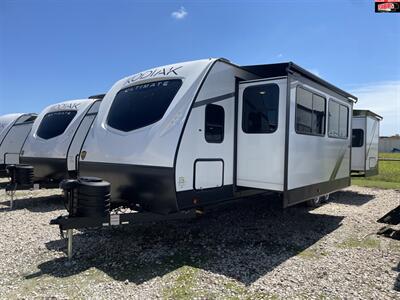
(318, 201)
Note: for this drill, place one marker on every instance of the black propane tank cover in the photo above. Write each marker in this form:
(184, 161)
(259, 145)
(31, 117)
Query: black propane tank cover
(68, 184)
(93, 197)
(24, 174)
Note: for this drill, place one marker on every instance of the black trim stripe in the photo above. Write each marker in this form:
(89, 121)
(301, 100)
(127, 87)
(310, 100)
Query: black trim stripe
(214, 99)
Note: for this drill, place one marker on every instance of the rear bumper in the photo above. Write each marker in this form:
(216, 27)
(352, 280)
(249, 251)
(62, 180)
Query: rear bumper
(151, 187)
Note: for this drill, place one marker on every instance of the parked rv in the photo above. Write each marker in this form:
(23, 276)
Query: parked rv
(365, 142)
(14, 129)
(50, 151)
(180, 137)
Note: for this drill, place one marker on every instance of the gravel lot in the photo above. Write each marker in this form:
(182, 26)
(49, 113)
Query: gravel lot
(248, 250)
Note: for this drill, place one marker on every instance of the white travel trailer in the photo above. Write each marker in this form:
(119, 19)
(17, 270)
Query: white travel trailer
(171, 140)
(191, 134)
(56, 139)
(365, 142)
(14, 128)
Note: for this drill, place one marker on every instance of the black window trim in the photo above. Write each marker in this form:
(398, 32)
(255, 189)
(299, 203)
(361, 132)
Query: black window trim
(122, 132)
(205, 123)
(278, 110)
(348, 113)
(295, 111)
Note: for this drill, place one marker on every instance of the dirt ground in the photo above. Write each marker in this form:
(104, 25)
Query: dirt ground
(248, 250)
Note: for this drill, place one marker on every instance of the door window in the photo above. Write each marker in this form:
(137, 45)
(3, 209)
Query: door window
(260, 108)
(357, 138)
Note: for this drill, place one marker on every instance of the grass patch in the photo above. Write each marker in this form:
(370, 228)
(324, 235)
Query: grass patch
(375, 183)
(182, 288)
(311, 254)
(389, 155)
(367, 243)
(188, 285)
(388, 177)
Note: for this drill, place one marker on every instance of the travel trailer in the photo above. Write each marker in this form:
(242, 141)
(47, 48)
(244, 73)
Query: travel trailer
(14, 129)
(50, 151)
(180, 137)
(365, 142)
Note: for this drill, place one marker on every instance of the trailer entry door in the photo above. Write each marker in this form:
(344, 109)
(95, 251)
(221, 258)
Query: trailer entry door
(80, 136)
(261, 134)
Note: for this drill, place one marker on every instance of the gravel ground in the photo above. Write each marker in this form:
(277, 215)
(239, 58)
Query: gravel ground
(247, 250)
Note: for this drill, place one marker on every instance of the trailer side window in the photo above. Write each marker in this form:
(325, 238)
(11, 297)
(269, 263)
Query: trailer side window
(214, 123)
(338, 120)
(357, 138)
(310, 112)
(260, 108)
(143, 104)
(54, 124)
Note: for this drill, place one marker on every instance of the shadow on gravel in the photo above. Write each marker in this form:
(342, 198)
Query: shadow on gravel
(35, 204)
(396, 285)
(350, 198)
(243, 241)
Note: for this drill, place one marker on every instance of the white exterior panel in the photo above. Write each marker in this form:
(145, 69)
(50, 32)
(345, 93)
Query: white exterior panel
(220, 81)
(316, 159)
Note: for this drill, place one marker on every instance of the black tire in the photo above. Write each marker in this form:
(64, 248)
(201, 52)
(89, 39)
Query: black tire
(318, 201)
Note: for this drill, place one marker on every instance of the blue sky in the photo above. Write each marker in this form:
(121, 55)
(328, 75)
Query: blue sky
(51, 51)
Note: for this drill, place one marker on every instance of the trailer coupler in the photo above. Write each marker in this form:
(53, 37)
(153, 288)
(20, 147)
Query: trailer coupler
(70, 223)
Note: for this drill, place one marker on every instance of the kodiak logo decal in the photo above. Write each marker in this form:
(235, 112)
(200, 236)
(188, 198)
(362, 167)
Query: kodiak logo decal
(153, 73)
(66, 106)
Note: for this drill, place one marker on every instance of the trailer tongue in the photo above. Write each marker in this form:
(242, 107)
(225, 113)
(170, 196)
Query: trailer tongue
(88, 202)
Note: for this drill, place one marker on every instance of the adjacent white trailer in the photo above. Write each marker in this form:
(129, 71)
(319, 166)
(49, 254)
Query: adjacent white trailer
(14, 129)
(56, 139)
(187, 135)
(365, 142)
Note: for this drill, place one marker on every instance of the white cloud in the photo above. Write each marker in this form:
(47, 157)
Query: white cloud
(382, 98)
(180, 13)
(280, 55)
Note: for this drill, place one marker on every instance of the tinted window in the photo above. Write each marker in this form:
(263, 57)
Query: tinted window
(260, 108)
(142, 105)
(338, 120)
(55, 123)
(214, 123)
(357, 138)
(310, 112)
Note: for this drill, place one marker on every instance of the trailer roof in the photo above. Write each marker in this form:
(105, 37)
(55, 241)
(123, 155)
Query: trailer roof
(283, 69)
(366, 112)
